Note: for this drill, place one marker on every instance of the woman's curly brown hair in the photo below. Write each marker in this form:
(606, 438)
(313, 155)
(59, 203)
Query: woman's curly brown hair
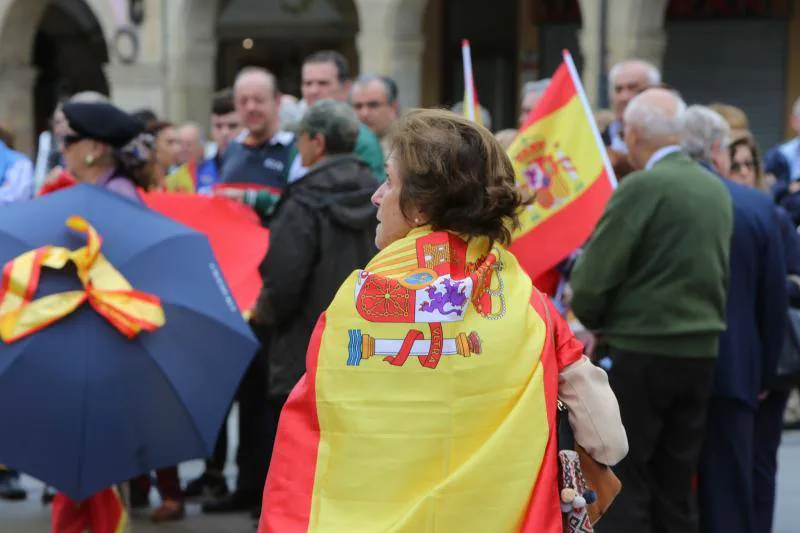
(456, 174)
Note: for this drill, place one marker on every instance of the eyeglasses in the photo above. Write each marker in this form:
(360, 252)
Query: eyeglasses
(738, 166)
(369, 105)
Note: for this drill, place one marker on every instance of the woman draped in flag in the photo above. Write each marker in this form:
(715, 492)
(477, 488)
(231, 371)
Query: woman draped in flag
(429, 402)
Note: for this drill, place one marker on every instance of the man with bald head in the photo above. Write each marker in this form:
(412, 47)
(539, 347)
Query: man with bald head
(260, 155)
(257, 160)
(192, 143)
(652, 284)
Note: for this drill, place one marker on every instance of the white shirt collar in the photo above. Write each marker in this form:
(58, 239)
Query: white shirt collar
(660, 154)
(281, 137)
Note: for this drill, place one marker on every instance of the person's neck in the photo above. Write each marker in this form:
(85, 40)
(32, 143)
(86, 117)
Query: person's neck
(159, 175)
(264, 135)
(93, 174)
(647, 152)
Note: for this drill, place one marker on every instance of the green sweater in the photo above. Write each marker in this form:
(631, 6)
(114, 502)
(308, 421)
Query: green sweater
(653, 278)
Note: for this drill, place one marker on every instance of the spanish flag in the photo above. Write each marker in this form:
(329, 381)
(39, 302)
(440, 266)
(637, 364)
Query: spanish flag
(418, 412)
(559, 155)
(183, 179)
(472, 108)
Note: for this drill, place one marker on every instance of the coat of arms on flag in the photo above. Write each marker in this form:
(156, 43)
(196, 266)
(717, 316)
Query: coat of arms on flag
(558, 155)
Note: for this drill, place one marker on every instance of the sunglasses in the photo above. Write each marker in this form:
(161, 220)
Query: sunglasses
(69, 140)
(737, 166)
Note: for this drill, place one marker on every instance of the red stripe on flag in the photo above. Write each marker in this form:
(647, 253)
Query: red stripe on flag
(563, 90)
(560, 234)
(544, 508)
(286, 506)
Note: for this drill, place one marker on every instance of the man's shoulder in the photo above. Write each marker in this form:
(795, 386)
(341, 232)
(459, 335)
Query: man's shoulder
(366, 138)
(751, 201)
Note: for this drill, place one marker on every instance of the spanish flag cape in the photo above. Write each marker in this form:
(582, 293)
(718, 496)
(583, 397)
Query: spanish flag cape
(429, 400)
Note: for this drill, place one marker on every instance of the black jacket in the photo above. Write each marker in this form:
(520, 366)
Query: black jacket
(322, 229)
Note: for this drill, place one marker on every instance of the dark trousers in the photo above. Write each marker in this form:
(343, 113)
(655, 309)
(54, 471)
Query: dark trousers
(768, 433)
(220, 456)
(258, 422)
(725, 473)
(167, 483)
(663, 403)
(252, 457)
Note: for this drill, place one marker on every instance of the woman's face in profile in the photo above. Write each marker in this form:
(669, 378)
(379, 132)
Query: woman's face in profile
(167, 147)
(392, 224)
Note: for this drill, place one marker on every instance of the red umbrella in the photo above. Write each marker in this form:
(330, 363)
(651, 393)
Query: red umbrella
(237, 238)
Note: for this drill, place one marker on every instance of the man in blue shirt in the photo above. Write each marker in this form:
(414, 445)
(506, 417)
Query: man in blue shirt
(257, 160)
(16, 176)
(16, 185)
(783, 162)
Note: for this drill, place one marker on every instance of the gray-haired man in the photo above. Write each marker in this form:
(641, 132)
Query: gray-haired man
(322, 229)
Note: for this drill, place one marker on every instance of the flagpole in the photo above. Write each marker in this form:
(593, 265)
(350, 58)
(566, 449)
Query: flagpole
(576, 80)
(469, 93)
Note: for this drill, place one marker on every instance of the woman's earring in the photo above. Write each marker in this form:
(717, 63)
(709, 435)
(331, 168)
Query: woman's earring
(89, 160)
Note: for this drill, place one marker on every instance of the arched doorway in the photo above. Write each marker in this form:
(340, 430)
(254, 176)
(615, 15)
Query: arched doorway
(279, 34)
(69, 52)
(48, 49)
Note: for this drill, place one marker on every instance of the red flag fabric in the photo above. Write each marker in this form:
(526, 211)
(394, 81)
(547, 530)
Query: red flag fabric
(236, 236)
(559, 155)
(62, 181)
(103, 512)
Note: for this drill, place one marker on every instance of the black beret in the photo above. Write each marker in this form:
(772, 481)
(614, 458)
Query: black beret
(102, 122)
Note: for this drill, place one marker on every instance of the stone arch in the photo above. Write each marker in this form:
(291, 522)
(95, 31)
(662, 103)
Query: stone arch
(20, 21)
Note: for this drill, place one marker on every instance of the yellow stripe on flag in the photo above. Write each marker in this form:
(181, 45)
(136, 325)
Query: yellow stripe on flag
(554, 149)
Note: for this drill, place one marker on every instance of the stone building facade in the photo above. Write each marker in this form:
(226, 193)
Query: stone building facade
(171, 55)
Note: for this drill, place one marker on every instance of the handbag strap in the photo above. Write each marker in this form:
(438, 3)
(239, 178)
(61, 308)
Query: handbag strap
(566, 438)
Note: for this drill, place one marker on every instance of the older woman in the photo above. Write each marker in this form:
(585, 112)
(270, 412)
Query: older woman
(429, 401)
(746, 169)
(102, 145)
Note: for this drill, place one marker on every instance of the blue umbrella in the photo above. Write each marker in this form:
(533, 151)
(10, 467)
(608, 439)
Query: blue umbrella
(81, 406)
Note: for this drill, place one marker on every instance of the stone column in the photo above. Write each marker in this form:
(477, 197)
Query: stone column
(374, 40)
(17, 104)
(391, 42)
(635, 29)
(137, 86)
(200, 81)
(407, 70)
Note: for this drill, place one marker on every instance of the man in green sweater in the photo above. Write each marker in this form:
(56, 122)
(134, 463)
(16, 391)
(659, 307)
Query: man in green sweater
(652, 283)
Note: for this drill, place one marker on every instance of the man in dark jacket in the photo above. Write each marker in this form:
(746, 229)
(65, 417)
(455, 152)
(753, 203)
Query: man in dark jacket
(749, 347)
(322, 229)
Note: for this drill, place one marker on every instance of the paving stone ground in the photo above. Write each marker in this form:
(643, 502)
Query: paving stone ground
(31, 517)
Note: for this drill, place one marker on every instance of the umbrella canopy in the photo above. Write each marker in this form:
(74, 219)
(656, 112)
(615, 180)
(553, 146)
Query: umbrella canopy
(85, 407)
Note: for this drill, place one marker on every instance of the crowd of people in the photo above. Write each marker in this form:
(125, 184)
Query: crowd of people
(685, 286)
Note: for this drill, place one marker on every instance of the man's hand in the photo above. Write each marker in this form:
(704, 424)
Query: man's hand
(794, 187)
